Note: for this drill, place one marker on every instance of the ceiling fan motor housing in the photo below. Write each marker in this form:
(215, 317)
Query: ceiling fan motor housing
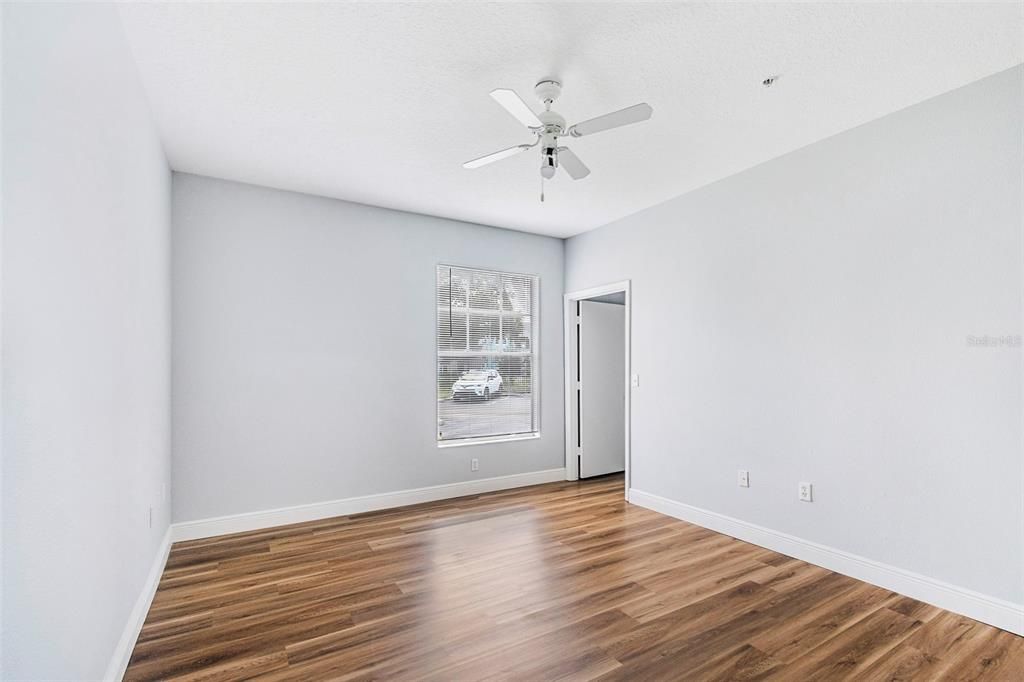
(554, 125)
(552, 120)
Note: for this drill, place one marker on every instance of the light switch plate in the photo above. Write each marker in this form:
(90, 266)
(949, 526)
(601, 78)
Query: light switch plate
(634, 381)
(743, 478)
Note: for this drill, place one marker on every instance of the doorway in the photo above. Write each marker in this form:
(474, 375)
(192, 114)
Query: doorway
(597, 382)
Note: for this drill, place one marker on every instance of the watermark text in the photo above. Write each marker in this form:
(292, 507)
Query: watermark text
(990, 341)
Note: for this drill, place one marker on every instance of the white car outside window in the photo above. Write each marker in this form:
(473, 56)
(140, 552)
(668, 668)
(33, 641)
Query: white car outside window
(481, 383)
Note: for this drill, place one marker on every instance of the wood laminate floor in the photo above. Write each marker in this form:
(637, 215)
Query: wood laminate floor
(558, 581)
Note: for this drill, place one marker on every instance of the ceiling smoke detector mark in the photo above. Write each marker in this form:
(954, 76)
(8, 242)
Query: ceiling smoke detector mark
(770, 81)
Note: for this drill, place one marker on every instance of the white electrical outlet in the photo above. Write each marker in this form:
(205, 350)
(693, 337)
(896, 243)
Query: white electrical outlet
(744, 478)
(474, 464)
(634, 381)
(806, 491)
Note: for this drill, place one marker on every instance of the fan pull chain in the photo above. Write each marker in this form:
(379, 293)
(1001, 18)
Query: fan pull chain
(542, 189)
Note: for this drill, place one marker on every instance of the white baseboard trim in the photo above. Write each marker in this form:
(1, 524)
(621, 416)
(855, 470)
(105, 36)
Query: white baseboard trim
(238, 523)
(1002, 614)
(123, 652)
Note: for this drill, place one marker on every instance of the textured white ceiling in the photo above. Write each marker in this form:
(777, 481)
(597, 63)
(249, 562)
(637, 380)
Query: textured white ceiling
(380, 103)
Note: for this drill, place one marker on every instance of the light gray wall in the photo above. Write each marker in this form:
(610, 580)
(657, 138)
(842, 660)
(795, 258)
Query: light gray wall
(304, 337)
(86, 339)
(808, 320)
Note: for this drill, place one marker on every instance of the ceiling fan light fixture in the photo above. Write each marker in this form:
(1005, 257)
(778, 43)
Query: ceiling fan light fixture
(549, 126)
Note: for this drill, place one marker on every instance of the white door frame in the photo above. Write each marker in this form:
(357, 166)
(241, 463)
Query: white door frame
(569, 334)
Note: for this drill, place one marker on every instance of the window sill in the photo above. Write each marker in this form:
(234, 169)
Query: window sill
(487, 440)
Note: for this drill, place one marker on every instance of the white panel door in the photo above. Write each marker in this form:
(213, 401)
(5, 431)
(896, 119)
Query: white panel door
(602, 349)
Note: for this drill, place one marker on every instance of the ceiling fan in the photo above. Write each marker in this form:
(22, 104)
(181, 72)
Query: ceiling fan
(550, 130)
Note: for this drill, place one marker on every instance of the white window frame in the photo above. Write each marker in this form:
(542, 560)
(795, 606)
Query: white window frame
(534, 364)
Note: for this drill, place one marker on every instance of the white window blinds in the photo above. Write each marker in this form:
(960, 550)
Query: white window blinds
(486, 354)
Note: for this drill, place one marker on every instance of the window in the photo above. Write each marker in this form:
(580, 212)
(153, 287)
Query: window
(486, 355)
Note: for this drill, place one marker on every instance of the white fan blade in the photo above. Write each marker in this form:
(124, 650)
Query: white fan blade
(572, 164)
(496, 156)
(622, 117)
(515, 105)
